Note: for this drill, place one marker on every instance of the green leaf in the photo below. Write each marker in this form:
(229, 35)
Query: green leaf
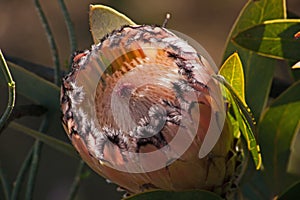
(41, 92)
(163, 195)
(104, 20)
(11, 92)
(245, 121)
(294, 158)
(35, 88)
(290, 95)
(273, 38)
(276, 131)
(291, 193)
(232, 71)
(258, 70)
(51, 141)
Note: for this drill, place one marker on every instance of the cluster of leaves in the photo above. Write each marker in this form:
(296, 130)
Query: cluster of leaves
(261, 36)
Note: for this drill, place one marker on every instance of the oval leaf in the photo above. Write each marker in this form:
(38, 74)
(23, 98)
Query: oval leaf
(258, 70)
(163, 195)
(244, 118)
(232, 71)
(274, 38)
(104, 20)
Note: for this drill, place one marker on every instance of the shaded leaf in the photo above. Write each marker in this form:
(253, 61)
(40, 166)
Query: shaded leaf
(292, 94)
(35, 88)
(41, 92)
(274, 39)
(51, 141)
(104, 20)
(276, 130)
(11, 91)
(163, 195)
(291, 193)
(45, 72)
(258, 70)
(294, 158)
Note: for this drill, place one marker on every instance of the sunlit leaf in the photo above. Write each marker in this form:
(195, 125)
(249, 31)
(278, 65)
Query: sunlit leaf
(258, 70)
(232, 71)
(244, 118)
(104, 19)
(273, 38)
(163, 195)
(296, 66)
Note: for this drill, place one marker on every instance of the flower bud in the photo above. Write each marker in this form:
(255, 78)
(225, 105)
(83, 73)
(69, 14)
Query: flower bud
(142, 109)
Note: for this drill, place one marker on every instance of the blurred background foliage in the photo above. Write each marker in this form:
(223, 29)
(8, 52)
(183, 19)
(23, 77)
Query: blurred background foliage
(22, 35)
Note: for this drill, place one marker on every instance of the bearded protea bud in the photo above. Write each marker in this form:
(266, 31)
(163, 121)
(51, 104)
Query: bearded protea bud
(142, 109)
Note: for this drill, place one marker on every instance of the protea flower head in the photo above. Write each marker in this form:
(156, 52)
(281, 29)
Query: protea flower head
(142, 109)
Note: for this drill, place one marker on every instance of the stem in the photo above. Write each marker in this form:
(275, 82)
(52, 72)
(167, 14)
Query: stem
(21, 175)
(4, 184)
(70, 28)
(76, 182)
(35, 162)
(11, 91)
(54, 50)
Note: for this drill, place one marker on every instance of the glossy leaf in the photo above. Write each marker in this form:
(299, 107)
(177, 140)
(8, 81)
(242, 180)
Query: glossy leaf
(258, 70)
(232, 71)
(274, 39)
(296, 66)
(243, 116)
(104, 19)
(276, 130)
(163, 195)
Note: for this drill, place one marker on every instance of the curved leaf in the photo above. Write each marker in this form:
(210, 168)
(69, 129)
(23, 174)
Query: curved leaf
(35, 88)
(258, 70)
(274, 39)
(232, 71)
(244, 118)
(294, 158)
(104, 20)
(163, 195)
(292, 94)
(41, 92)
(291, 193)
(51, 141)
(276, 131)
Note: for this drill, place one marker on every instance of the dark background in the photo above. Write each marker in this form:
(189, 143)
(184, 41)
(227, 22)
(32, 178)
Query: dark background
(22, 35)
